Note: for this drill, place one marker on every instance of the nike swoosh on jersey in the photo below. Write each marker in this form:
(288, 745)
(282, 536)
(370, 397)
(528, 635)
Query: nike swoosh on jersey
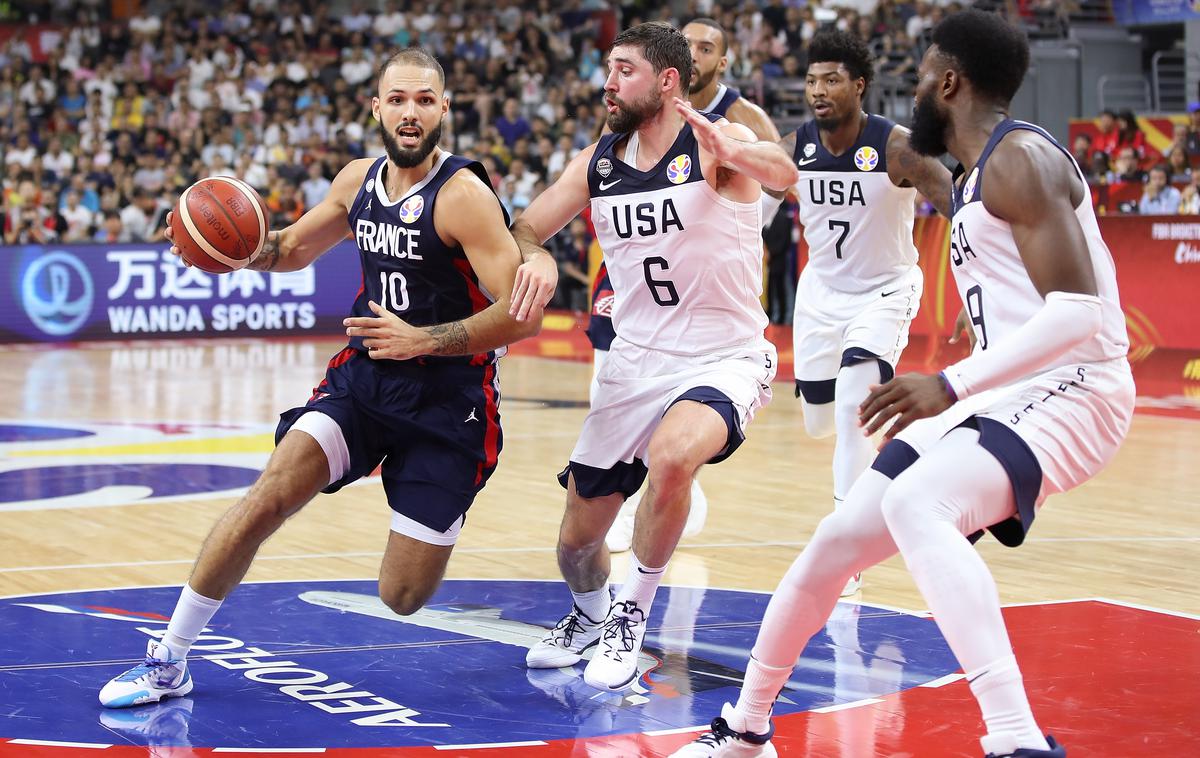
(607, 185)
(888, 294)
(805, 162)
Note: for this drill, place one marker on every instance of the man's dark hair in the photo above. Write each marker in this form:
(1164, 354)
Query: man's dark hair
(712, 23)
(662, 45)
(412, 56)
(991, 52)
(837, 46)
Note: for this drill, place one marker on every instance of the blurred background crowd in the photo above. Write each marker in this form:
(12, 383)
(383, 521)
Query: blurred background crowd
(103, 131)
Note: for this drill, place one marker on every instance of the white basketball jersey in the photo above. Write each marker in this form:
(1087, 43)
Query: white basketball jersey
(991, 277)
(685, 263)
(858, 224)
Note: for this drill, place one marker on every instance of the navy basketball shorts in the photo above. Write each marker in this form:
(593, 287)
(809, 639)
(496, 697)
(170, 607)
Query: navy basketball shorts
(434, 427)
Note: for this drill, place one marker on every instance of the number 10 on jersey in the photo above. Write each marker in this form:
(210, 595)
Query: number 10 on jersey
(393, 291)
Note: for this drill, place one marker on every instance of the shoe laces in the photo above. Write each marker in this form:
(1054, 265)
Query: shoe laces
(567, 627)
(719, 733)
(621, 625)
(151, 665)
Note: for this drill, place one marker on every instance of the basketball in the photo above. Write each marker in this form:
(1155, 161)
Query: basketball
(220, 224)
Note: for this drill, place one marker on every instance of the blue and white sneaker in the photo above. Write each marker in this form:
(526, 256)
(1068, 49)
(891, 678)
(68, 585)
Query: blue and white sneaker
(161, 675)
(1004, 745)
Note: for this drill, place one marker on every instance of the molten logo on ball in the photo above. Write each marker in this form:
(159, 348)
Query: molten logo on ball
(220, 224)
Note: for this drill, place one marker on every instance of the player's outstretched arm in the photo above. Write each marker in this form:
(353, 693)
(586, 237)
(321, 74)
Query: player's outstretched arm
(467, 214)
(734, 146)
(320, 228)
(546, 215)
(908, 168)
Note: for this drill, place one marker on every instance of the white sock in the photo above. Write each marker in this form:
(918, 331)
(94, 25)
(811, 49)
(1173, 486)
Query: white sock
(594, 604)
(852, 452)
(760, 688)
(640, 584)
(1000, 691)
(192, 614)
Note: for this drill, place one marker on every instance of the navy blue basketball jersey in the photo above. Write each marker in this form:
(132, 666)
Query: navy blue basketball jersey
(406, 266)
(725, 97)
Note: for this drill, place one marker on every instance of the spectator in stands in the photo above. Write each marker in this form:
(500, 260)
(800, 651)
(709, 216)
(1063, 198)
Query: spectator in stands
(1180, 167)
(1106, 133)
(1189, 198)
(79, 220)
(511, 124)
(143, 220)
(1129, 134)
(316, 186)
(110, 230)
(1160, 198)
(1125, 168)
(1193, 135)
(1081, 150)
(570, 248)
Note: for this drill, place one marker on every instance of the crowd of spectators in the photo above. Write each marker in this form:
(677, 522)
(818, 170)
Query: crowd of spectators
(103, 131)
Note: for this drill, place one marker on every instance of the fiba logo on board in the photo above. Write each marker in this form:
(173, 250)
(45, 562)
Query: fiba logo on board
(57, 293)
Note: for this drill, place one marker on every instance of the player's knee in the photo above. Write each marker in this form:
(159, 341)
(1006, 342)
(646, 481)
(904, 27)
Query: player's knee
(405, 598)
(905, 504)
(671, 470)
(845, 415)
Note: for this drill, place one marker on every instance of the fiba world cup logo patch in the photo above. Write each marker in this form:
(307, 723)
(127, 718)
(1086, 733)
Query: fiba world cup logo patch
(679, 169)
(410, 209)
(866, 158)
(969, 187)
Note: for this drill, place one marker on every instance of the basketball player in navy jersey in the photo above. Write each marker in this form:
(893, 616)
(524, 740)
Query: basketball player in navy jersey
(708, 44)
(674, 197)
(416, 389)
(1039, 407)
(861, 287)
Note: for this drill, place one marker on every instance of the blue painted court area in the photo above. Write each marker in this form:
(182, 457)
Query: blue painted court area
(162, 479)
(39, 433)
(318, 664)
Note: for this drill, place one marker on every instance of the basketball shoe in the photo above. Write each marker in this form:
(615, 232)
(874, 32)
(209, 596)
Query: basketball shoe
(723, 740)
(160, 675)
(620, 534)
(1004, 745)
(564, 644)
(614, 666)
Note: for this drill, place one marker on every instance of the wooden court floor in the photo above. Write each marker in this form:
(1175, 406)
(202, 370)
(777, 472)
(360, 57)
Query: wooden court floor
(1132, 534)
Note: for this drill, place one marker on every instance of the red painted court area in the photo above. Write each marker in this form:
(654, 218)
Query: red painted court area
(1108, 680)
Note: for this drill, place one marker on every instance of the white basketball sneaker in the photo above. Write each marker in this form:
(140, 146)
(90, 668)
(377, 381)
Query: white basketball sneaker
(615, 663)
(724, 741)
(162, 674)
(564, 644)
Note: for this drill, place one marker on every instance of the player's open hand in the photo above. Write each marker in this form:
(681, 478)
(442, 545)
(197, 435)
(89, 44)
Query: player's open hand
(534, 286)
(169, 233)
(906, 399)
(387, 335)
(962, 325)
(707, 133)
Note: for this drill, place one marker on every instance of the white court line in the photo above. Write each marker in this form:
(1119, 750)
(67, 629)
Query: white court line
(529, 549)
(680, 730)
(847, 706)
(268, 750)
(480, 745)
(943, 681)
(52, 743)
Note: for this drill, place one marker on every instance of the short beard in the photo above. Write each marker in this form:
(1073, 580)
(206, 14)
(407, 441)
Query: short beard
(929, 126)
(832, 123)
(404, 158)
(630, 116)
(700, 81)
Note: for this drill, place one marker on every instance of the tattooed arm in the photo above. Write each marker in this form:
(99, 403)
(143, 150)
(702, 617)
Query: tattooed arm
(320, 228)
(467, 214)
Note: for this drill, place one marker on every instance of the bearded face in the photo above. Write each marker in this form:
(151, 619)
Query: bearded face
(929, 126)
(628, 116)
(410, 157)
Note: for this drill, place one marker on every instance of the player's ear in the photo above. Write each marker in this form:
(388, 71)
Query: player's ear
(950, 83)
(375, 107)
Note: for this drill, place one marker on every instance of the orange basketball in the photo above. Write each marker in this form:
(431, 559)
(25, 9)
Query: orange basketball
(220, 224)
